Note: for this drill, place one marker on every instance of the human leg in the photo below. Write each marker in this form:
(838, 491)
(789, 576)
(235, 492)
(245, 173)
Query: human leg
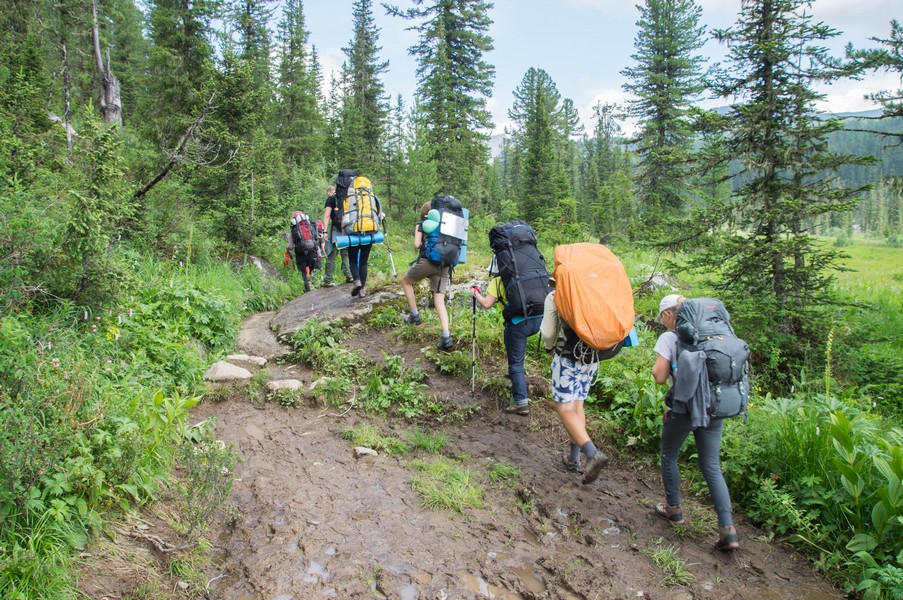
(515, 336)
(329, 263)
(363, 263)
(346, 265)
(708, 449)
(675, 429)
(353, 253)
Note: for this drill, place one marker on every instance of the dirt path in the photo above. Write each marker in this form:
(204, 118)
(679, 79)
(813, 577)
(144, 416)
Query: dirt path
(316, 522)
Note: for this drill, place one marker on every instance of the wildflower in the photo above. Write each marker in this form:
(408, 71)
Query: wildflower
(113, 334)
(85, 316)
(119, 319)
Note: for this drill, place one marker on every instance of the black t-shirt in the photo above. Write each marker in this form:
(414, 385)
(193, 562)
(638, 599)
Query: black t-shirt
(336, 215)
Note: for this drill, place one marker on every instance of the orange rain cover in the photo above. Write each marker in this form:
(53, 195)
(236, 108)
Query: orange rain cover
(593, 294)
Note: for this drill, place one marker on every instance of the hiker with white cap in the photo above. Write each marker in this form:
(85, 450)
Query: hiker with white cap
(676, 427)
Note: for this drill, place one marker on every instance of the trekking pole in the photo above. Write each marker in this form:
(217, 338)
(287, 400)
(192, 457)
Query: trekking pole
(473, 349)
(389, 248)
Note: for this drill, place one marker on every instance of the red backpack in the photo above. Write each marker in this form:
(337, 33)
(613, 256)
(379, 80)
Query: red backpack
(303, 233)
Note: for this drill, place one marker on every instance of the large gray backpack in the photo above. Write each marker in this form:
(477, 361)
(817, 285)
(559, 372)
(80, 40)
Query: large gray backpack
(703, 324)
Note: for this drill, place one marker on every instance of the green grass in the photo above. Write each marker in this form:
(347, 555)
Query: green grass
(368, 436)
(501, 472)
(446, 485)
(674, 568)
(433, 443)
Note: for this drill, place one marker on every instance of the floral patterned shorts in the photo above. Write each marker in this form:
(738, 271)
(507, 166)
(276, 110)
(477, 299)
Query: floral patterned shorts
(571, 379)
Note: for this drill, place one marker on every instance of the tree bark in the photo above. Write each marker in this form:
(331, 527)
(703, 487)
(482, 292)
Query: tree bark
(110, 103)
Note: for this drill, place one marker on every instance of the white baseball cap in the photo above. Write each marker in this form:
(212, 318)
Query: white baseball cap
(669, 301)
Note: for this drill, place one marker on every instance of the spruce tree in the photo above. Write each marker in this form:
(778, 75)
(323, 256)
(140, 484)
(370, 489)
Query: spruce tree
(364, 108)
(774, 273)
(889, 57)
(299, 120)
(180, 66)
(454, 82)
(665, 81)
(538, 114)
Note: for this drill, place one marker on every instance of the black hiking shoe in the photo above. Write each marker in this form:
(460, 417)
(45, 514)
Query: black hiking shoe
(412, 319)
(357, 287)
(445, 343)
(594, 466)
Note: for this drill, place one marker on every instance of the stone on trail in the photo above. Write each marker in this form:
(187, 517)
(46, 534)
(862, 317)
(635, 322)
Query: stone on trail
(254, 360)
(361, 451)
(225, 371)
(284, 384)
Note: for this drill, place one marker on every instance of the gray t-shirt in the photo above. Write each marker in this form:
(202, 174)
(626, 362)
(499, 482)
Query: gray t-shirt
(666, 346)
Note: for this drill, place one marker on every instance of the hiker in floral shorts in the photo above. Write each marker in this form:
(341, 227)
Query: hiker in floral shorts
(572, 376)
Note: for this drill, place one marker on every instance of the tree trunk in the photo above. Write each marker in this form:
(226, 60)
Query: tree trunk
(109, 102)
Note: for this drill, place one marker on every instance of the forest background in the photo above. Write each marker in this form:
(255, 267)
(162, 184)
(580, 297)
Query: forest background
(145, 151)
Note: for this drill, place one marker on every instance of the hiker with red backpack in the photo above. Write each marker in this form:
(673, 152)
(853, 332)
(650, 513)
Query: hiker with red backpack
(304, 240)
(588, 317)
(695, 415)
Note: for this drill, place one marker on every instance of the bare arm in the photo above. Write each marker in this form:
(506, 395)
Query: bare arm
(661, 369)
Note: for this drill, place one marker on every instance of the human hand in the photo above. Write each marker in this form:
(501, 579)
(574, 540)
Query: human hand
(474, 290)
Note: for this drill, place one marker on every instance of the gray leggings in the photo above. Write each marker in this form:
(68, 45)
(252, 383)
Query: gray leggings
(675, 430)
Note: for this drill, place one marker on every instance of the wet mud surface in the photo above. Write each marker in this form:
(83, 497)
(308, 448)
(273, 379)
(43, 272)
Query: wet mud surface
(318, 522)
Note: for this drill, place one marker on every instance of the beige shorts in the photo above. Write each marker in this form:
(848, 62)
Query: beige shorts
(440, 277)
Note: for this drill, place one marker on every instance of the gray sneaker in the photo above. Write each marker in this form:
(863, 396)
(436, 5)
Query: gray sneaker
(571, 466)
(412, 319)
(362, 293)
(445, 343)
(518, 409)
(326, 284)
(594, 466)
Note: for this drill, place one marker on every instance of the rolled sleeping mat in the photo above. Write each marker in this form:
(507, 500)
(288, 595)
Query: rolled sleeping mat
(344, 241)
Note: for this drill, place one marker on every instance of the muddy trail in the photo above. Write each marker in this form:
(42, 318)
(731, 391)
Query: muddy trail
(318, 521)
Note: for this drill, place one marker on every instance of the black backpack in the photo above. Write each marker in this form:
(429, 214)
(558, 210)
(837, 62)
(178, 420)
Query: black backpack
(703, 324)
(521, 267)
(343, 181)
(446, 249)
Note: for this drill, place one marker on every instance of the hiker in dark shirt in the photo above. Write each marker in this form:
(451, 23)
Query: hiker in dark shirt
(332, 220)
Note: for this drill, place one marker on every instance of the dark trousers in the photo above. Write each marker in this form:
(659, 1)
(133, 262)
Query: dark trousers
(516, 348)
(358, 257)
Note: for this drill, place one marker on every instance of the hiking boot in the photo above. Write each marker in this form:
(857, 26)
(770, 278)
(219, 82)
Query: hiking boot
(412, 319)
(445, 343)
(571, 466)
(594, 466)
(727, 539)
(357, 287)
(327, 284)
(672, 514)
(349, 279)
(518, 409)
(362, 293)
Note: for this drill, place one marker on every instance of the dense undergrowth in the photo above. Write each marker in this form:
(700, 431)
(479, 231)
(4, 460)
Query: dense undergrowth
(94, 407)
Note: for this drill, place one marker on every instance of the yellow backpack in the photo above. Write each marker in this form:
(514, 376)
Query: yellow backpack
(360, 212)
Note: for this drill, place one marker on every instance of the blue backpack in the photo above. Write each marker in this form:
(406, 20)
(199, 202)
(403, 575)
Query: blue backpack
(442, 247)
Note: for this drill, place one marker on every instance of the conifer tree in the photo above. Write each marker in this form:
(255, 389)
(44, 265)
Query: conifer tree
(299, 121)
(454, 82)
(538, 113)
(180, 66)
(775, 272)
(888, 56)
(364, 108)
(664, 82)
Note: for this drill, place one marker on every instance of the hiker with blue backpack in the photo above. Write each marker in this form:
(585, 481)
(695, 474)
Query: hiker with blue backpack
(701, 394)
(428, 266)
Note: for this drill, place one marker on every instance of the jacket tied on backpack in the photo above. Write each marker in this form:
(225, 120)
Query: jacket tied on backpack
(712, 363)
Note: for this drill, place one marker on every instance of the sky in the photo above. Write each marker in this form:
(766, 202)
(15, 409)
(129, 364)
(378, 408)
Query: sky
(584, 44)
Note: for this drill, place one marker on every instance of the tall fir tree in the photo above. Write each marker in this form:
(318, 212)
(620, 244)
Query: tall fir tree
(180, 66)
(364, 107)
(775, 272)
(665, 81)
(537, 111)
(299, 121)
(454, 81)
(887, 57)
